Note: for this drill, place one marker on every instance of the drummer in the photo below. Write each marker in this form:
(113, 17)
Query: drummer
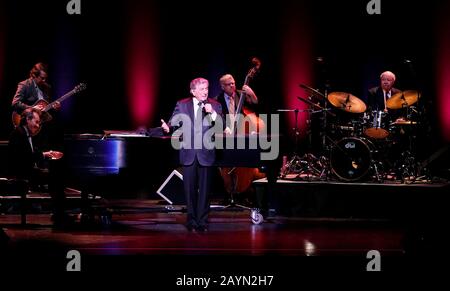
(378, 96)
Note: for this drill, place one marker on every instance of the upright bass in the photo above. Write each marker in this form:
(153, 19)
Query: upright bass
(255, 123)
(239, 179)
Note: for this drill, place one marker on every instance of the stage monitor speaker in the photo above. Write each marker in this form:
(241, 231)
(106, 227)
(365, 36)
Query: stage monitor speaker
(172, 189)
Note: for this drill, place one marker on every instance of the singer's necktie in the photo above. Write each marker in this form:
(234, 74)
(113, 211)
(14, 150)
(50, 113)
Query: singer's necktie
(198, 114)
(198, 127)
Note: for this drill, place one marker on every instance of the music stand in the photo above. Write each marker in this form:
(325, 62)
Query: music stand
(232, 203)
(231, 160)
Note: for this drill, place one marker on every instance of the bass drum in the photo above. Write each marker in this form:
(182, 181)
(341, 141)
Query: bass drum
(351, 158)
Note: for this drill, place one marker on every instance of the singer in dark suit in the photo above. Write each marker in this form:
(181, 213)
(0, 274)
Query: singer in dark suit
(194, 118)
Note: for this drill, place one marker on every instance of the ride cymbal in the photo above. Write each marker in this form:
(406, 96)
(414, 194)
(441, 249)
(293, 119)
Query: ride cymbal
(402, 99)
(347, 102)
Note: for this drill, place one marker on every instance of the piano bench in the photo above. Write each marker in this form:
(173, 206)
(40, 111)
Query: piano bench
(15, 189)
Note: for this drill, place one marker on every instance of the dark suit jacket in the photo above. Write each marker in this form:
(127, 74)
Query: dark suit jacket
(26, 95)
(21, 159)
(376, 97)
(221, 99)
(206, 157)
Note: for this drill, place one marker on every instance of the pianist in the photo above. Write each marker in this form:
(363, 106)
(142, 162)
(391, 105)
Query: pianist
(28, 162)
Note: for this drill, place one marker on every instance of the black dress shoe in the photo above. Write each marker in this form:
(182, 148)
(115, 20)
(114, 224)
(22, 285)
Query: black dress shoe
(202, 228)
(191, 228)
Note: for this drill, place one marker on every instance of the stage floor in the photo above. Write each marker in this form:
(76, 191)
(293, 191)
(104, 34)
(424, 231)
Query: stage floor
(145, 233)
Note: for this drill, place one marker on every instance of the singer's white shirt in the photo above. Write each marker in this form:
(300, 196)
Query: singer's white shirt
(195, 102)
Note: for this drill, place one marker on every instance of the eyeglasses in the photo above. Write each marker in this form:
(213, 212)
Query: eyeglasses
(43, 78)
(229, 84)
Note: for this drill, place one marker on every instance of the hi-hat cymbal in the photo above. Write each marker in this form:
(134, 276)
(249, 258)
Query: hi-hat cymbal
(403, 122)
(347, 102)
(402, 99)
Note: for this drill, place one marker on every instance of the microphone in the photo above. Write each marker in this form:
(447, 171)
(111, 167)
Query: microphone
(202, 105)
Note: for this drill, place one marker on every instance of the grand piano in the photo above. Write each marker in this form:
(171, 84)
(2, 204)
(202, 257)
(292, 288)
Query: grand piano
(123, 162)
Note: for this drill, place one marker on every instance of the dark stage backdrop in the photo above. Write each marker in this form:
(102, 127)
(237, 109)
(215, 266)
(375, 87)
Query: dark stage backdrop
(138, 57)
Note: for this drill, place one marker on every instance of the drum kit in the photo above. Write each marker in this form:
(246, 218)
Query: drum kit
(369, 146)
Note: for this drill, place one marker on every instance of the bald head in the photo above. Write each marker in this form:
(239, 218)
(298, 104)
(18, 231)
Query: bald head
(387, 80)
(228, 84)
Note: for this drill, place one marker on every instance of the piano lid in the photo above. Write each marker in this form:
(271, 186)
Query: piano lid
(124, 133)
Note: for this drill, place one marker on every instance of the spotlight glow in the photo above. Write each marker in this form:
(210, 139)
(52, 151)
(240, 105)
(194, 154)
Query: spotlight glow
(142, 64)
(297, 63)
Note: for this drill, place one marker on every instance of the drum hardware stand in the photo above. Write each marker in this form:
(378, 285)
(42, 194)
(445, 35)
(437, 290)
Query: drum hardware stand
(374, 166)
(294, 162)
(407, 168)
(301, 165)
(326, 147)
(311, 166)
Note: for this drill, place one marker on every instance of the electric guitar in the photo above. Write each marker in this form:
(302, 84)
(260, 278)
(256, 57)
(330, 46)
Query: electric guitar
(47, 106)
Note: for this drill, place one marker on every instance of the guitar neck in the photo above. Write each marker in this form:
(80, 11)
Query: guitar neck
(60, 99)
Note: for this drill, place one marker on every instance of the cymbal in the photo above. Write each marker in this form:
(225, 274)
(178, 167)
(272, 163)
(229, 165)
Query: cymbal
(316, 106)
(312, 91)
(402, 99)
(403, 122)
(309, 102)
(347, 102)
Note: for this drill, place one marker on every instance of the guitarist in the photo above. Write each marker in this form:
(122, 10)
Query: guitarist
(31, 91)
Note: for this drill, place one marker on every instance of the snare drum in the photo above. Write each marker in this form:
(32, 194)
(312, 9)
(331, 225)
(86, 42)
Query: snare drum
(378, 125)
